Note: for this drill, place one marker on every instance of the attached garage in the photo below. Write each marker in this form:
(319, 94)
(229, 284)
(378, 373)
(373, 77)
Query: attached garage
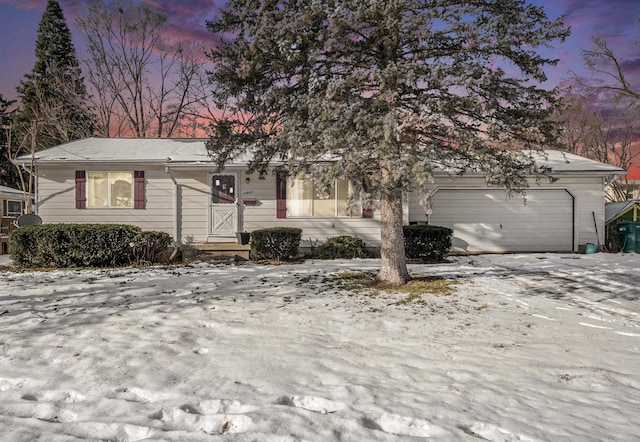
(559, 215)
(487, 220)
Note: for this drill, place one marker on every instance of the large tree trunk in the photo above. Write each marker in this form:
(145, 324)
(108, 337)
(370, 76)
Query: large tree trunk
(393, 265)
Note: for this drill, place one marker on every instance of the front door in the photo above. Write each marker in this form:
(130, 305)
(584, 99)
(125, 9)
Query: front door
(223, 205)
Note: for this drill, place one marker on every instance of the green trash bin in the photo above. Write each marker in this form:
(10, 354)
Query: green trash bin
(629, 232)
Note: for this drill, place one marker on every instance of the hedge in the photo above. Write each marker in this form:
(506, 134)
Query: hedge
(276, 243)
(86, 245)
(341, 247)
(427, 243)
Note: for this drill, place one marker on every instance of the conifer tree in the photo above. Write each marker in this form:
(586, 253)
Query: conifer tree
(384, 92)
(53, 95)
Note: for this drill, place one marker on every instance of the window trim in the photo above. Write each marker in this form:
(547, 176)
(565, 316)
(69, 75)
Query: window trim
(139, 190)
(284, 197)
(14, 214)
(109, 206)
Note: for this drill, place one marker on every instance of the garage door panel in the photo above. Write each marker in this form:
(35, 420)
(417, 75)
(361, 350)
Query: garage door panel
(486, 221)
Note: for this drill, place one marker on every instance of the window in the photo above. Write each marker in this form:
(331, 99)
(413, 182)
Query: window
(110, 189)
(14, 208)
(302, 199)
(223, 189)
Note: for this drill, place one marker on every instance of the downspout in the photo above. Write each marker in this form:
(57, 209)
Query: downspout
(176, 215)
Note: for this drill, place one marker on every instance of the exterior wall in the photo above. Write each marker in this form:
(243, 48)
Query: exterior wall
(194, 188)
(55, 198)
(263, 214)
(193, 215)
(588, 193)
(56, 204)
(631, 187)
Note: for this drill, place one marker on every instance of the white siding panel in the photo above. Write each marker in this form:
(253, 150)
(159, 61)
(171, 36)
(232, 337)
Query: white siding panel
(263, 215)
(544, 219)
(587, 190)
(488, 221)
(194, 203)
(56, 199)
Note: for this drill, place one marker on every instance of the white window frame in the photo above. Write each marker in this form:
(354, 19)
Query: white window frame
(355, 212)
(109, 184)
(14, 214)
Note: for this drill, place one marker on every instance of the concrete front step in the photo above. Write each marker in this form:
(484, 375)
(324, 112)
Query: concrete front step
(217, 251)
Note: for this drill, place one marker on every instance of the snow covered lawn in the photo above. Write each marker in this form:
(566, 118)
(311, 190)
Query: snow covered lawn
(520, 347)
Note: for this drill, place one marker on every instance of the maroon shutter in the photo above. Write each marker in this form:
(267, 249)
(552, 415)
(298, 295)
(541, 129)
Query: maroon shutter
(138, 189)
(81, 189)
(281, 196)
(366, 213)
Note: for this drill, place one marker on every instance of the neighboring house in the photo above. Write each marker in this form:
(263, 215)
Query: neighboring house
(615, 213)
(11, 202)
(629, 190)
(172, 185)
(11, 207)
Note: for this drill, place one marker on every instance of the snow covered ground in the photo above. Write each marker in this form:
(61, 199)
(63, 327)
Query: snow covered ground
(522, 347)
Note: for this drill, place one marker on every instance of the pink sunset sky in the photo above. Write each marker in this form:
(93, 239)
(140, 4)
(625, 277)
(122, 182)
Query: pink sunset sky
(617, 21)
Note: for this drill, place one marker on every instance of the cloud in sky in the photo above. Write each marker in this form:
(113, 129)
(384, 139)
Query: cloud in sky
(615, 20)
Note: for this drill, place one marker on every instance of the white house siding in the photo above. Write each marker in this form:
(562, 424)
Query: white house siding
(313, 229)
(475, 211)
(486, 221)
(56, 204)
(194, 188)
(56, 198)
(193, 214)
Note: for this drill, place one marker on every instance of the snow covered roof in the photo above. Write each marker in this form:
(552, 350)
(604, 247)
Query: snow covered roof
(192, 151)
(567, 162)
(10, 192)
(128, 150)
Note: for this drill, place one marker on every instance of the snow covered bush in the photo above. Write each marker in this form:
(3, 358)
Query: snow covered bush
(427, 243)
(341, 247)
(278, 243)
(84, 245)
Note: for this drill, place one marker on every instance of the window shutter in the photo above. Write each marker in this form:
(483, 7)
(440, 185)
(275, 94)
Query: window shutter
(81, 189)
(281, 196)
(138, 189)
(366, 213)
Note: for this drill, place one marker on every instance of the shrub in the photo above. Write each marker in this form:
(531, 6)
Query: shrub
(278, 243)
(151, 247)
(341, 247)
(84, 245)
(427, 243)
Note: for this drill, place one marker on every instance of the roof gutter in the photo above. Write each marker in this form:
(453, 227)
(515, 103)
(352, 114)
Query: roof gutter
(24, 160)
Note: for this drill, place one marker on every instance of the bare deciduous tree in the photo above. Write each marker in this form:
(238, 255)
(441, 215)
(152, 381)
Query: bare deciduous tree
(601, 120)
(603, 61)
(142, 83)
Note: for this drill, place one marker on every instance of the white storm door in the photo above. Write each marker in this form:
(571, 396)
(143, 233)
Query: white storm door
(223, 205)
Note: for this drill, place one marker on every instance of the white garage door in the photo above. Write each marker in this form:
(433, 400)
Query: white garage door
(489, 221)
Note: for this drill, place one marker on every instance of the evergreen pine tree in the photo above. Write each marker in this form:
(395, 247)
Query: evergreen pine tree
(392, 91)
(53, 96)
